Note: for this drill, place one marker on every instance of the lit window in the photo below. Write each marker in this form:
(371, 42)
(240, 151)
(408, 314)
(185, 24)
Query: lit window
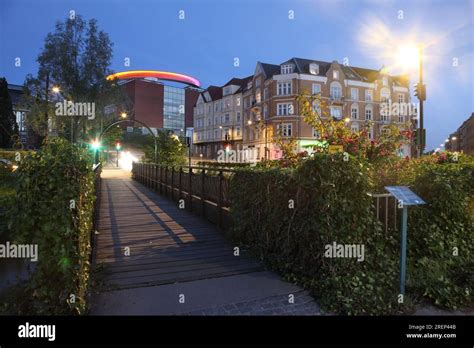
(237, 131)
(314, 69)
(335, 75)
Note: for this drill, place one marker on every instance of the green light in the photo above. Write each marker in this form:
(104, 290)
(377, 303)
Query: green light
(95, 145)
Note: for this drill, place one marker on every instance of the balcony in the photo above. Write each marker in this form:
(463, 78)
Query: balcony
(336, 99)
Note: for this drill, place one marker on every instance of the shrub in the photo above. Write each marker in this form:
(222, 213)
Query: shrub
(441, 228)
(330, 205)
(44, 214)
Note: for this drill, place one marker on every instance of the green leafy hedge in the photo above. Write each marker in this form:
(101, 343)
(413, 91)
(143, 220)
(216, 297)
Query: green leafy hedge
(44, 214)
(330, 205)
(441, 233)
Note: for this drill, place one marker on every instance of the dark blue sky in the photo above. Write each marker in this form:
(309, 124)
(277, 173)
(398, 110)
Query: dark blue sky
(214, 32)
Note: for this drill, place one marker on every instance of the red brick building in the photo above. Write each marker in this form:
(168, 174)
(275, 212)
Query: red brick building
(161, 106)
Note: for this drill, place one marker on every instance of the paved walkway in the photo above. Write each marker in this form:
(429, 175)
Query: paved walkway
(154, 258)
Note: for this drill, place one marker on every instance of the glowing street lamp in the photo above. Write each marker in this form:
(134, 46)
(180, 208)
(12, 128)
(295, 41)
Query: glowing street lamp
(453, 138)
(347, 120)
(123, 115)
(249, 122)
(96, 146)
(56, 89)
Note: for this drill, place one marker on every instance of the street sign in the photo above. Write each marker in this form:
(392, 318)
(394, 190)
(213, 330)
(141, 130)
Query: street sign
(405, 197)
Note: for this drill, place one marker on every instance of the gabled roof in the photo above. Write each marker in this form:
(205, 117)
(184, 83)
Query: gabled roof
(215, 92)
(302, 66)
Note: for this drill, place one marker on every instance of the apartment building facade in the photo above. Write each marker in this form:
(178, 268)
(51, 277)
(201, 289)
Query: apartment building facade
(359, 96)
(218, 119)
(462, 140)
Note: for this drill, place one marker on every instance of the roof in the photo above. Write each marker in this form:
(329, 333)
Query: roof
(215, 92)
(302, 66)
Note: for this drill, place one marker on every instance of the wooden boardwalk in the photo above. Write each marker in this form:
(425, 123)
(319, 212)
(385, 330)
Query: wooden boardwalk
(166, 244)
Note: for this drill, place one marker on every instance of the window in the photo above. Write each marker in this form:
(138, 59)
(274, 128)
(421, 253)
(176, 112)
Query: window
(227, 103)
(257, 82)
(238, 116)
(384, 95)
(368, 113)
(385, 81)
(354, 112)
(227, 90)
(355, 127)
(215, 134)
(284, 109)
(314, 69)
(336, 112)
(335, 75)
(284, 88)
(336, 92)
(286, 129)
(316, 88)
(265, 111)
(315, 134)
(226, 118)
(384, 117)
(216, 119)
(401, 118)
(370, 133)
(369, 95)
(317, 107)
(354, 94)
(287, 69)
(216, 107)
(265, 93)
(401, 98)
(237, 131)
(258, 96)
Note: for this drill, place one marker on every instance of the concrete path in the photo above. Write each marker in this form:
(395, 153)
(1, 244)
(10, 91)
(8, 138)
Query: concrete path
(153, 258)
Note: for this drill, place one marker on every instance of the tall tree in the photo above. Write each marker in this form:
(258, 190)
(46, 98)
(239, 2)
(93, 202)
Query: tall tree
(8, 126)
(75, 58)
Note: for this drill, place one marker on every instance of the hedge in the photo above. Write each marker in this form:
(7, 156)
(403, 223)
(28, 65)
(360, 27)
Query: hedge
(441, 233)
(43, 213)
(330, 205)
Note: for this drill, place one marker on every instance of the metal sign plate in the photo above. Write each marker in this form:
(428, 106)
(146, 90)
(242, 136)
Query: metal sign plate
(405, 195)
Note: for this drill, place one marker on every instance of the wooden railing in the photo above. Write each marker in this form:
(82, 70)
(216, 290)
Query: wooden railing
(201, 190)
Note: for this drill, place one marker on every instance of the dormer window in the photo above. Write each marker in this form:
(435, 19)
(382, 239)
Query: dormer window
(287, 69)
(335, 74)
(314, 69)
(227, 90)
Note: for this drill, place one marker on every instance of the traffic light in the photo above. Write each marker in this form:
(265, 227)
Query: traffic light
(118, 146)
(420, 91)
(416, 136)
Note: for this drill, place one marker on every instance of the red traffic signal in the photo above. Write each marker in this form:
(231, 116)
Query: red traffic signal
(118, 146)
